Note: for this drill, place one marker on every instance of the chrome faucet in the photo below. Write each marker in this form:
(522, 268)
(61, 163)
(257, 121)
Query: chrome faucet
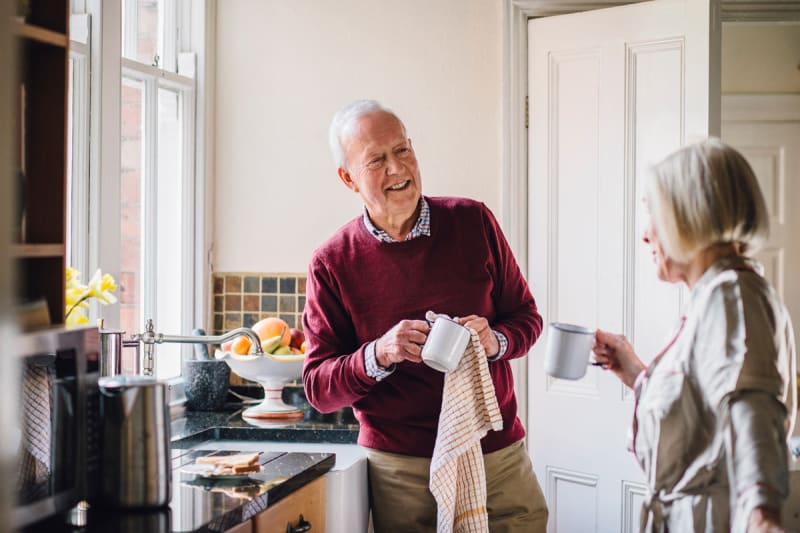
(149, 338)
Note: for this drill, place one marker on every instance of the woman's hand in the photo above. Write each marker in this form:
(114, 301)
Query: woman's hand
(763, 520)
(403, 342)
(615, 353)
(485, 334)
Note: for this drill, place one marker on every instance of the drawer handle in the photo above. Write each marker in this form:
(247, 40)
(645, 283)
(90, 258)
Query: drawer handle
(301, 527)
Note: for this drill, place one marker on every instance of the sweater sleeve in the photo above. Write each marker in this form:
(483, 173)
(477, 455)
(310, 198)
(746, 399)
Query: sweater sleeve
(334, 372)
(517, 316)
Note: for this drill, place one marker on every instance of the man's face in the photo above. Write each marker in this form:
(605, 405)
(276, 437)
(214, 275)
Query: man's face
(382, 167)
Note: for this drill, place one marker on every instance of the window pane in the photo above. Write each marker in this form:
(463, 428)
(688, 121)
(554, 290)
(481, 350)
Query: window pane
(77, 164)
(170, 230)
(142, 28)
(71, 260)
(132, 180)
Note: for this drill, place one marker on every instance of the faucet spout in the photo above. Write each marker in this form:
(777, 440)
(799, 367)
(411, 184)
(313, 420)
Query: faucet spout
(150, 338)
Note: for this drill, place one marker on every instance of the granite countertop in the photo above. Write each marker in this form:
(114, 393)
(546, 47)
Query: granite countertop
(200, 504)
(191, 427)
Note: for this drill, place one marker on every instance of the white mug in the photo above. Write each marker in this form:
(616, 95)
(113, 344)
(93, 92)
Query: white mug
(568, 349)
(445, 344)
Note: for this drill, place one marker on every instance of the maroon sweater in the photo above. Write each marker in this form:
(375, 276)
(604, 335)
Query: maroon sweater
(359, 287)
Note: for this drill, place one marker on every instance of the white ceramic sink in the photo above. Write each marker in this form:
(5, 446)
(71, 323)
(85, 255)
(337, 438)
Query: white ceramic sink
(346, 498)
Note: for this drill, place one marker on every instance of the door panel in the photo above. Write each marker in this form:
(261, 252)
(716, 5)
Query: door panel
(612, 91)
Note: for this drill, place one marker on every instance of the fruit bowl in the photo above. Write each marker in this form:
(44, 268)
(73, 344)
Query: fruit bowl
(272, 372)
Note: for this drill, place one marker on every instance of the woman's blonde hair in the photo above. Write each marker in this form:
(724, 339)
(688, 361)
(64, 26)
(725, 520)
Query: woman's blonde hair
(704, 194)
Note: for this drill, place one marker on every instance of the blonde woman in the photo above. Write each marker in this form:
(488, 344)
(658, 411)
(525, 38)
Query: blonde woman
(713, 410)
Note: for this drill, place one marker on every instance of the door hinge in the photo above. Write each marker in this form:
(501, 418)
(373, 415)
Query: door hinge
(527, 113)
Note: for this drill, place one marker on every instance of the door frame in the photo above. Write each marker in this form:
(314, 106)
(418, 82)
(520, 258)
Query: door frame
(514, 183)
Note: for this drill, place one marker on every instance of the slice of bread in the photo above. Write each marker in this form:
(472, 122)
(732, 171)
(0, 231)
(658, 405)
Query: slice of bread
(236, 470)
(240, 459)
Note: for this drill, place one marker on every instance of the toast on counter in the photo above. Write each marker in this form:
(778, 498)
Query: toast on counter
(242, 463)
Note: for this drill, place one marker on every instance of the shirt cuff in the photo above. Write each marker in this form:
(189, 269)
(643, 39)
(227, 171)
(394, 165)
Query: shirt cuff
(375, 370)
(503, 342)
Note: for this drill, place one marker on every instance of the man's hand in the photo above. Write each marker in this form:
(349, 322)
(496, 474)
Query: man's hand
(485, 334)
(403, 342)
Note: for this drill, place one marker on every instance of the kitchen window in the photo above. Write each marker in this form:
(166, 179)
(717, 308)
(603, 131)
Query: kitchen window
(134, 208)
(78, 145)
(156, 179)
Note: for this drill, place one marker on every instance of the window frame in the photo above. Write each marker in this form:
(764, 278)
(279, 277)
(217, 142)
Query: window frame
(78, 143)
(153, 79)
(195, 34)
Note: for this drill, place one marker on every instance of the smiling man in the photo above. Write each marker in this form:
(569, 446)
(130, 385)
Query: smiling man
(368, 289)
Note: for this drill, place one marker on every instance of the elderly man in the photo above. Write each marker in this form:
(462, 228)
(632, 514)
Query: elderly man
(368, 289)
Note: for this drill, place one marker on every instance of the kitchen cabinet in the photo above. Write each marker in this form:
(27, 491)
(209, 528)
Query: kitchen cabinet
(39, 240)
(307, 502)
(244, 527)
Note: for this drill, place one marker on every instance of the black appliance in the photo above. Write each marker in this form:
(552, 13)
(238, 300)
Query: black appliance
(58, 425)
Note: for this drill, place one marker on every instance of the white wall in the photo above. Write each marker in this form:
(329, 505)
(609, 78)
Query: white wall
(285, 66)
(760, 58)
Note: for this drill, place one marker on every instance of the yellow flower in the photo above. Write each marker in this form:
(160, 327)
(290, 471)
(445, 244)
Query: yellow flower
(77, 295)
(101, 286)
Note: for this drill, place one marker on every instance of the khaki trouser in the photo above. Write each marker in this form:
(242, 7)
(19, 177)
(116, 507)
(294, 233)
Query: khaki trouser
(401, 500)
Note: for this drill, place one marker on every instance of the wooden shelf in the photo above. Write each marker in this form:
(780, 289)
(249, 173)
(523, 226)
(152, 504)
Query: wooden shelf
(41, 35)
(37, 250)
(41, 107)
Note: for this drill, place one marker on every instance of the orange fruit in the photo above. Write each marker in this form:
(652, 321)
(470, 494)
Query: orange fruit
(241, 345)
(303, 347)
(272, 327)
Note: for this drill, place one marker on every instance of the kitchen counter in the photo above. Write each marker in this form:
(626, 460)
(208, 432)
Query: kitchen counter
(192, 427)
(200, 504)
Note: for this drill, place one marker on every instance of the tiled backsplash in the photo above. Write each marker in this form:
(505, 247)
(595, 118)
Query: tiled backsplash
(242, 298)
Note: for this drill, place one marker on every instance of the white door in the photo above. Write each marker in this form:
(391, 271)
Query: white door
(611, 92)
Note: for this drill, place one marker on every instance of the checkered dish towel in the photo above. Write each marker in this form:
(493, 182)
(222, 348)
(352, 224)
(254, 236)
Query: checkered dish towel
(469, 411)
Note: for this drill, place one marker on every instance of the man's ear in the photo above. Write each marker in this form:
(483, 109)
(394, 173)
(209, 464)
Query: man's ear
(344, 175)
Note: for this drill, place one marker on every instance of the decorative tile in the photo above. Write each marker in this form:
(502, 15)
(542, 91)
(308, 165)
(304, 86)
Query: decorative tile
(219, 285)
(287, 304)
(233, 302)
(269, 303)
(233, 283)
(251, 302)
(288, 285)
(248, 319)
(252, 284)
(233, 321)
(269, 284)
(243, 298)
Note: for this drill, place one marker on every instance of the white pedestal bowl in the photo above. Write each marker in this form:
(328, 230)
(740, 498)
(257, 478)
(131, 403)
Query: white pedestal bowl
(272, 372)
